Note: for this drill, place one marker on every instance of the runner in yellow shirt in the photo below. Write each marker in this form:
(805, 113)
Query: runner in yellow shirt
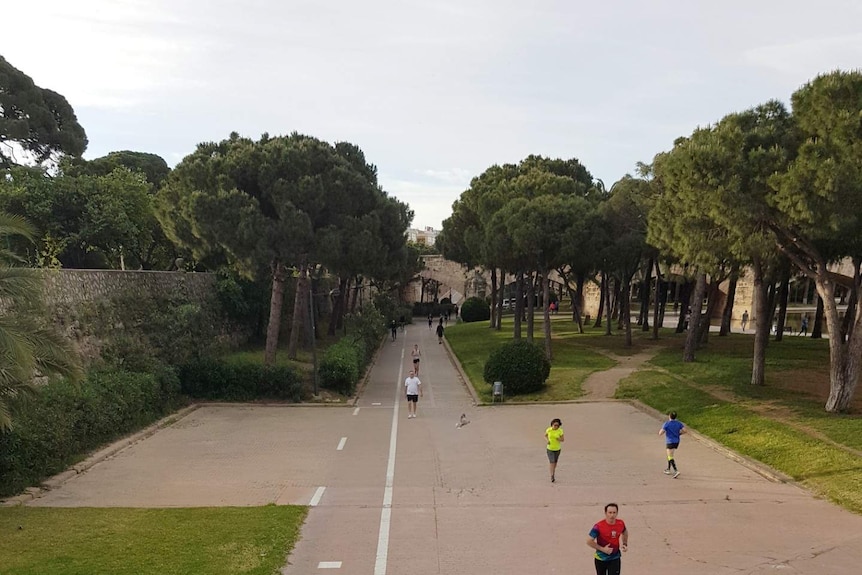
(554, 436)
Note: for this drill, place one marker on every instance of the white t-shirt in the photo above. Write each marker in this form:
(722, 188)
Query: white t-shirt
(412, 384)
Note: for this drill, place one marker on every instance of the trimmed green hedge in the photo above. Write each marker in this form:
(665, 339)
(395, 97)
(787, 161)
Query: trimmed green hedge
(520, 365)
(475, 309)
(342, 365)
(217, 380)
(62, 422)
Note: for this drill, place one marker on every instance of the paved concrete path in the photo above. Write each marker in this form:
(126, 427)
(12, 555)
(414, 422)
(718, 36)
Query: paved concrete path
(420, 496)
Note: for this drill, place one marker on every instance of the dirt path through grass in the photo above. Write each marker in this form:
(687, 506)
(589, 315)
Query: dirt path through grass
(603, 384)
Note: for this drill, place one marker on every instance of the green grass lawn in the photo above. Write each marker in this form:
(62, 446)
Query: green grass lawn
(573, 363)
(203, 541)
(826, 470)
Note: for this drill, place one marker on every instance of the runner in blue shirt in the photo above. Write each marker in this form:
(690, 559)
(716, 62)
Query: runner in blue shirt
(672, 429)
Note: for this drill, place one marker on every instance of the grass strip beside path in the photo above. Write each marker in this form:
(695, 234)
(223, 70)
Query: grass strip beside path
(474, 342)
(825, 470)
(121, 541)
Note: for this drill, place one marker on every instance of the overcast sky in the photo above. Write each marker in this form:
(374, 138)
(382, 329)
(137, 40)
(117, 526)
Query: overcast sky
(434, 92)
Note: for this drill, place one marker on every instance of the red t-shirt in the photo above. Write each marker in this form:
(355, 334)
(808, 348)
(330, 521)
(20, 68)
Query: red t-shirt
(607, 534)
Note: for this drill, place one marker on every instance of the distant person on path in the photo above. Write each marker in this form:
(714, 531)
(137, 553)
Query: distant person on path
(416, 354)
(608, 537)
(402, 322)
(744, 320)
(413, 391)
(393, 328)
(430, 321)
(672, 429)
(803, 326)
(440, 332)
(554, 436)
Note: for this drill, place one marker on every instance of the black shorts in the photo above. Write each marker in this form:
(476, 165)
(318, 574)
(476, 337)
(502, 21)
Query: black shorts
(673, 445)
(413, 398)
(609, 567)
(415, 361)
(553, 456)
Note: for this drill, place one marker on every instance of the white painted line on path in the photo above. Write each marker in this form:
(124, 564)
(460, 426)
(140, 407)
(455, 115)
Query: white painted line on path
(376, 403)
(317, 496)
(355, 411)
(341, 443)
(329, 565)
(386, 512)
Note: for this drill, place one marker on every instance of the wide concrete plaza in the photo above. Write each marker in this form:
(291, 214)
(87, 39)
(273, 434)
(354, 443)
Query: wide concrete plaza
(400, 496)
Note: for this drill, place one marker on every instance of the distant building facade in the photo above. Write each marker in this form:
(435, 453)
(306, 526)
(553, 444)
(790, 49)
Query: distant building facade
(425, 237)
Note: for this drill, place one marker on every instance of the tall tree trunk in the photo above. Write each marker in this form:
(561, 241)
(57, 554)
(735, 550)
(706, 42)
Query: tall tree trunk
(656, 314)
(608, 306)
(706, 319)
(275, 302)
(684, 298)
(646, 290)
(531, 307)
(300, 304)
(727, 314)
(519, 305)
(845, 357)
(625, 311)
(603, 295)
(494, 298)
(783, 295)
(578, 300)
(546, 313)
(694, 322)
(761, 325)
(817, 324)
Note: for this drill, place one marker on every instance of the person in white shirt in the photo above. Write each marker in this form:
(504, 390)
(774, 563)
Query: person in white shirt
(413, 390)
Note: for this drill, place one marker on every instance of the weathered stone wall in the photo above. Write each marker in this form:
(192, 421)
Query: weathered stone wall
(76, 286)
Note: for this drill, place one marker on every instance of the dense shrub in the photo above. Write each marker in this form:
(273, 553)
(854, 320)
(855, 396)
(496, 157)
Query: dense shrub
(520, 365)
(63, 421)
(245, 381)
(367, 326)
(475, 309)
(342, 365)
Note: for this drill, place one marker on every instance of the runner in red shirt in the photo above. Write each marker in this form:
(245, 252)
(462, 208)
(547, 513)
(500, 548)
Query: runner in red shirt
(608, 537)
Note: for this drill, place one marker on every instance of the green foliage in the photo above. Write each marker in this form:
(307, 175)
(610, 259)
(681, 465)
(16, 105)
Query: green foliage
(369, 325)
(39, 120)
(235, 381)
(475, 309)
(63, 421)
(120, 541)
(244, 301)
(520, 365)
(168, 328)
(28, 346)
(342, 365)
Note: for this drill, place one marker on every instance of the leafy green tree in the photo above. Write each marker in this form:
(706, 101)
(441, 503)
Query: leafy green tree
(89, 221)
(28, 347)
(152, 166)
(38, 121)
(275, 204)
(816, 209)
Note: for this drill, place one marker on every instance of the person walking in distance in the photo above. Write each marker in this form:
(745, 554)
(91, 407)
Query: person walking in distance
(430, 321)
(554, 436)
(440, 333)
(393, 329)
(413, 391)
(803, 326)
(744, 320)
(672, 429)
(416, 354)
(608, 537)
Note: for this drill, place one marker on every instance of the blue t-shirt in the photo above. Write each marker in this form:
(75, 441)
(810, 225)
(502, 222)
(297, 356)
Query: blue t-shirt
(672, 427)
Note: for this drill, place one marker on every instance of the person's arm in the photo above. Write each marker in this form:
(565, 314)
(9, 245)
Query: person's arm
(683, 430)
(593, 544)
(420, 389)
(661, 431)
(624, 540)
(562, 437)
(547, 439)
